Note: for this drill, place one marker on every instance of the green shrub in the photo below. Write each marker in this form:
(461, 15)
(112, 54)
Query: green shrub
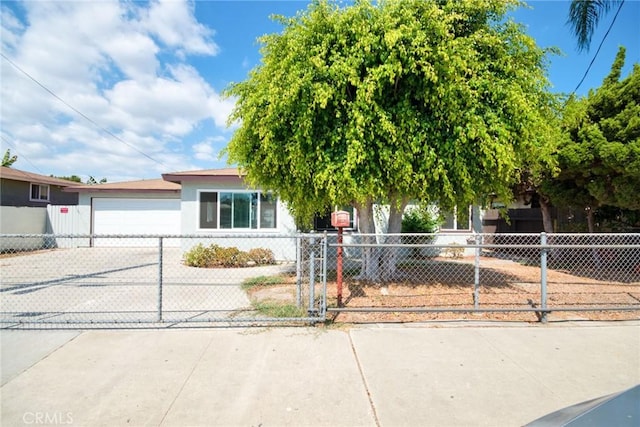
(217, 256)
(262, 256)
(200, 256)
(231, 257)
(419, 220)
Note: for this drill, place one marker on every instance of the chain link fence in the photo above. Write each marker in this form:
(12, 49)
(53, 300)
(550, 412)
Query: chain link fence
(159, 281)
(496, 276)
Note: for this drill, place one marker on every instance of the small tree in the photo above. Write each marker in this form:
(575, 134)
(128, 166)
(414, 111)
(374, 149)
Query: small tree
(8, 159)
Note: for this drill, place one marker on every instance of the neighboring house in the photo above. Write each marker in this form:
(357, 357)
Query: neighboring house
(24, 198)
(20, 188)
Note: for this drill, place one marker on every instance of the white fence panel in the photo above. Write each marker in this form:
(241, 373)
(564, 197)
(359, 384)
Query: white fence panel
(66, 220)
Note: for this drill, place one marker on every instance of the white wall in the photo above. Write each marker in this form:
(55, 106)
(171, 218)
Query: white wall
(284, 249)
(22, 220)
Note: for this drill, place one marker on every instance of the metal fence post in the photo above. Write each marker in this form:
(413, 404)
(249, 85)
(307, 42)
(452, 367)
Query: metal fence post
(543, 277)
(476, 275)
(325, 252)
(298, 271)
(312, 273)
(160, 279)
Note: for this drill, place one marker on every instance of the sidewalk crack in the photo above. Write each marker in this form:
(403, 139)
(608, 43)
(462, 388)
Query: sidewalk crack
(364, 381)
(186, 380)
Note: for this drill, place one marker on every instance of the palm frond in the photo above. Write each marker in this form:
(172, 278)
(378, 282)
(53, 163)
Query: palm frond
(584, 16)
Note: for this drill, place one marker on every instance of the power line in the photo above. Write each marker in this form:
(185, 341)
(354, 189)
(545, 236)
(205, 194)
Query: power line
(20, 156)
(81, 114)
(599, 47)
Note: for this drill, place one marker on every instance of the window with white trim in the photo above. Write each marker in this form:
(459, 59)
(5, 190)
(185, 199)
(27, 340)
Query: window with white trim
(459, 219)
(39, 192)
(229, 210)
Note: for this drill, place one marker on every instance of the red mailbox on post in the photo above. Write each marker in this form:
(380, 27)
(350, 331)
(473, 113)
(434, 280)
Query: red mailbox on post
(340, 219)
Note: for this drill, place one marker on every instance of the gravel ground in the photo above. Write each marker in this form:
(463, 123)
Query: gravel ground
(505, 284)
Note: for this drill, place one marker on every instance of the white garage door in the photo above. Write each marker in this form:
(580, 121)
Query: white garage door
(135, 216)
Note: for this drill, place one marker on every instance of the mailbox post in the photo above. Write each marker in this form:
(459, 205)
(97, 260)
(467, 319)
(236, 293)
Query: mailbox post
(340, 220)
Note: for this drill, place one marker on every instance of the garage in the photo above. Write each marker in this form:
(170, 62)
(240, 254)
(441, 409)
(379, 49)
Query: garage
(135, 216)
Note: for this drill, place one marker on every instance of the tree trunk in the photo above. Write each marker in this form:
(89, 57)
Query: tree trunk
(370, 255)
(547, 221)
(389, 256)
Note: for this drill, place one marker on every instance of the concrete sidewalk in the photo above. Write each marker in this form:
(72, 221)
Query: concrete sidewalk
(417, 375)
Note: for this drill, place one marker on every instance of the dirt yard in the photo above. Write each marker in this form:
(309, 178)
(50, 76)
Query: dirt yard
(446, 283)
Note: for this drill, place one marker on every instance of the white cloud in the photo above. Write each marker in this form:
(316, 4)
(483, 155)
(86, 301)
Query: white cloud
(204, 151)
(10, 30)
(174, 24)
(209, 149)
(133, 53)
(121, 64)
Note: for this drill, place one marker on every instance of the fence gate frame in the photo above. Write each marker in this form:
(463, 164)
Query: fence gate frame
(155, 280)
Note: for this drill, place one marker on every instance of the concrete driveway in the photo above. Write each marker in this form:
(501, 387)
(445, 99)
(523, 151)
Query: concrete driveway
(118, 284)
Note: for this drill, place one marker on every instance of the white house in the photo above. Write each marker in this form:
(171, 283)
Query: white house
(217, 202)
(208, 206)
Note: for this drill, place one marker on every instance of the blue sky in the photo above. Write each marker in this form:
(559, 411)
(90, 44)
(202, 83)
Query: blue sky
(133, 88)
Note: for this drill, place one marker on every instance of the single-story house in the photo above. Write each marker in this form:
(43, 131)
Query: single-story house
(215, 203)
(24, 198)
(147, 207)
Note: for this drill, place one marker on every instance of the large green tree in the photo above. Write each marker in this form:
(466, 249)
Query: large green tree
(599, 158)
(382, 103)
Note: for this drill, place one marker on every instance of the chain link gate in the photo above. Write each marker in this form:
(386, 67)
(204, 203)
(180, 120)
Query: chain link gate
(72, 281)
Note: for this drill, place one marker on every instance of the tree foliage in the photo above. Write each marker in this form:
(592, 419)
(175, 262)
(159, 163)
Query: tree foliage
(73, 178)
(90, 181)
(428, 100)
(386, 102)
(600, 155)
(8, 159)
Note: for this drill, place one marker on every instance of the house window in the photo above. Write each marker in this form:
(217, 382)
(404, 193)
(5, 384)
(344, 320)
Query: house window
(40, 192)
(459, 219)
(268, 209)
(237, 210)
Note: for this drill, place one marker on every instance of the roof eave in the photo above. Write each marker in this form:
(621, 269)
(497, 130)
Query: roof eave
(120, 190)
(179, 179)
